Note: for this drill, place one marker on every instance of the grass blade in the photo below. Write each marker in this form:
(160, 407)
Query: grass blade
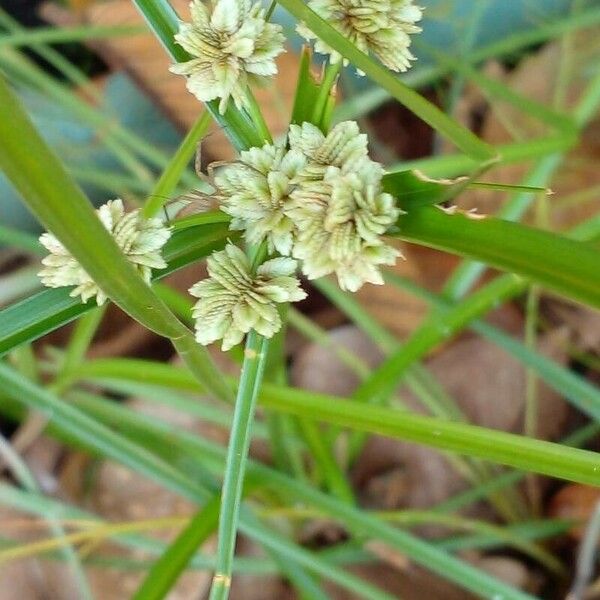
(61, 206)
(570, 268)
(91, 434)
(168, 568)
(167, 183)
(360, 523)
(517, 451)
(53, 35)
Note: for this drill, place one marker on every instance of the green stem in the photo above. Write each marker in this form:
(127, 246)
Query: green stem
(52, 35)
(171, 175)
(237, 454)
(327, 82)
(257, 117)
(287, 455)
(83, 334)
(334, 477)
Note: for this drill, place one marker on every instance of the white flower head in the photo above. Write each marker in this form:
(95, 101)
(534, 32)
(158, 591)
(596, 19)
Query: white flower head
(255, 192)
(140, 240)
(232, 301)
(230, 42)
(380, 27)
(344, 147)
(340, 222)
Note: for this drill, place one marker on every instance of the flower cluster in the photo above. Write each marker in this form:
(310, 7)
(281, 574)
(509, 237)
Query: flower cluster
(233, 300)
(255, 191)
(381, 27)
(320, 201)
(140, 240)
(316, 199)
(230, 44)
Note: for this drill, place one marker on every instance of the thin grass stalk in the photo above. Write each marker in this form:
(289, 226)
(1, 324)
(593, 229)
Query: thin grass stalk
(237, 454)
(335, 478)
(282, 429)
(83, 333)
(169, 179)
(330, 74)
(54, 35)
(68, 70)
(359, 522)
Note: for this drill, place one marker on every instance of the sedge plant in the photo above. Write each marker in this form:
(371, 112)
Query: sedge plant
(311, 205)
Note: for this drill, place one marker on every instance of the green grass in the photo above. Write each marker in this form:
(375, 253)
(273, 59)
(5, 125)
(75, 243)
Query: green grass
(309, 477)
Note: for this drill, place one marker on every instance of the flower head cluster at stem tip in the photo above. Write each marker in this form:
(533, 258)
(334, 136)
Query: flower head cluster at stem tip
(233, 300)
(230, 44)
(140, 240)
(380, 27)
(320, 201)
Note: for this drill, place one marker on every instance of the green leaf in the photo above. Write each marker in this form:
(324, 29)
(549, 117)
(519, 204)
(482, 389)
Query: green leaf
(172, 563)
(500, 447)
(413, 189)
(53, 35)
(451, 165)
(463, 138)
(307, 90)
(166, 184)
(362, 524)
(91, 434)
(517, 451)
(61, 206)
(566, 266)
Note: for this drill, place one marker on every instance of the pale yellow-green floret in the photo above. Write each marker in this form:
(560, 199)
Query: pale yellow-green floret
(344, 147)
(379, 27)
(340, 221)
(255, 191)
(319, 199)
(233, 300)
(231, 44)
(141, 241)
